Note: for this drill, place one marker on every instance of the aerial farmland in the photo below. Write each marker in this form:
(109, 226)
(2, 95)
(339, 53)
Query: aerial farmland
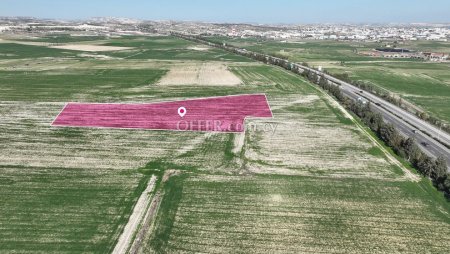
(423, 83)
(310, 178)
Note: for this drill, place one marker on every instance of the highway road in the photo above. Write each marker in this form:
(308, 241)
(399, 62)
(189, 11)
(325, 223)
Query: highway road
(406, 123)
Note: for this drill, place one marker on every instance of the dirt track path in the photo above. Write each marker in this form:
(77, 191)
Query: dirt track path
(135, 219)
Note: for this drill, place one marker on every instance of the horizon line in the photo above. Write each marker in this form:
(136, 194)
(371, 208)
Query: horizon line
(227, 22)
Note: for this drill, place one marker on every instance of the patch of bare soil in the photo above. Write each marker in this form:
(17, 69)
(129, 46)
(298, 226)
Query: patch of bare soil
(212, 74)
(89, 48)
(77, 47)
(169, 173)
(199, 48)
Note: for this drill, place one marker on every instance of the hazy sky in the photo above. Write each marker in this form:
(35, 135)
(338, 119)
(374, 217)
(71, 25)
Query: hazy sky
(257, 11)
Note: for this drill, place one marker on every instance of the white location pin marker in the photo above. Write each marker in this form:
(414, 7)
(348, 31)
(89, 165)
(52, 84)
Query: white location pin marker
(182, 111)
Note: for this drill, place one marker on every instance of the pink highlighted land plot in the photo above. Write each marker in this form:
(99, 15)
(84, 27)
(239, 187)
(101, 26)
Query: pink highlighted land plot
(216, 114)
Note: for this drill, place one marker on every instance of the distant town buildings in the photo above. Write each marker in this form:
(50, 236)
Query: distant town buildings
(336, 32)
(411, 32)
(430, 32)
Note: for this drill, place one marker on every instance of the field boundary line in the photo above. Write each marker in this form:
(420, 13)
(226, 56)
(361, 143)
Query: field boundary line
(65, 105)
(190, 99)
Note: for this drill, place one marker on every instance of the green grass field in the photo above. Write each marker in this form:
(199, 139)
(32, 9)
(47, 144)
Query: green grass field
(17, 51)
(317, 183)
(286, 214)
(67, 85)
(64, 210)
(169, 48)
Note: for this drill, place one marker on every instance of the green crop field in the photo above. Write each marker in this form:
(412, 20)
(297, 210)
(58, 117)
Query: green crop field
(318, 182)
(169, 48)
(286, 214)
(425, 84)
(17, 51)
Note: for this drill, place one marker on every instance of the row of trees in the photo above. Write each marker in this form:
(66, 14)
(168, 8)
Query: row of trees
(436, 169)
(321, 81)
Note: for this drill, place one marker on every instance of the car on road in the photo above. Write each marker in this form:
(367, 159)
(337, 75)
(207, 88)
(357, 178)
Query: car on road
(425, 144)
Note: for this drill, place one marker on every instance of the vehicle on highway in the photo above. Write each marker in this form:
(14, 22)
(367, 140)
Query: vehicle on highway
(424, 144)
(362, 100)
